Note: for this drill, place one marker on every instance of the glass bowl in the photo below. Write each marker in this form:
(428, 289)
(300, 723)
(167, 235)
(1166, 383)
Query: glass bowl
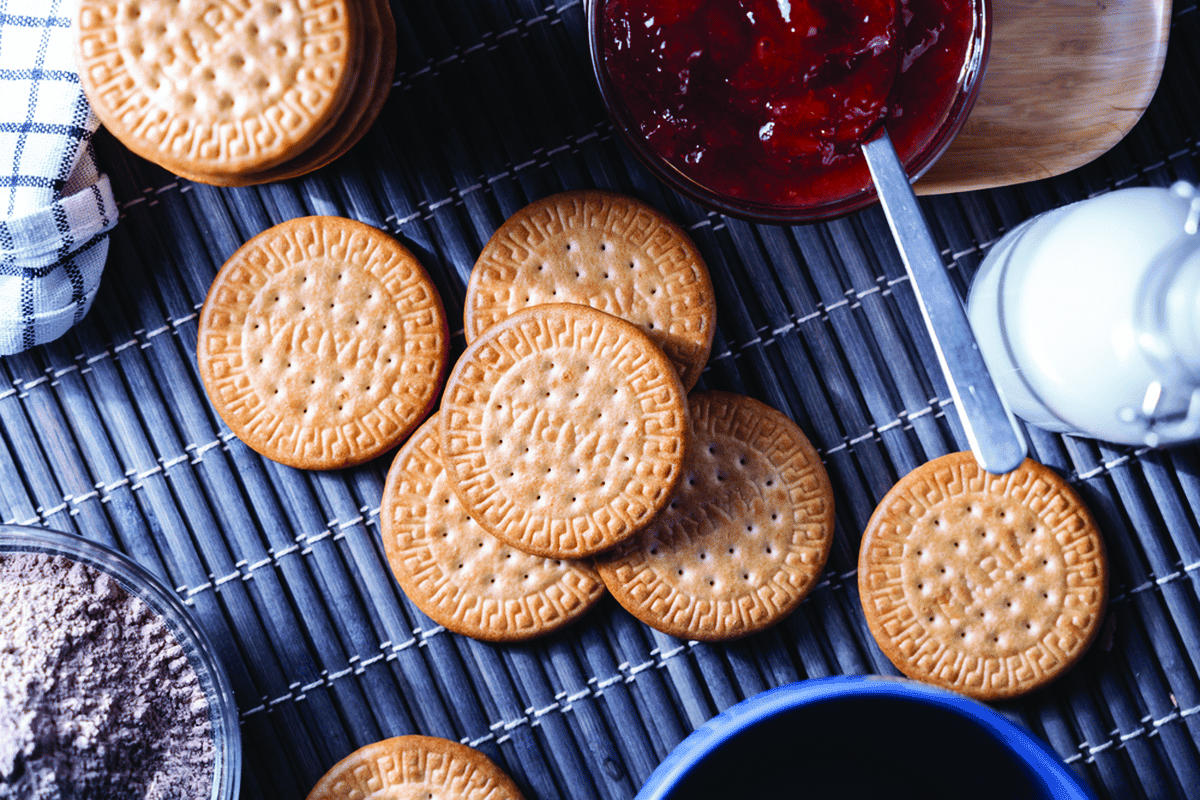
(860, 737)
(226, 731)
(919, 141)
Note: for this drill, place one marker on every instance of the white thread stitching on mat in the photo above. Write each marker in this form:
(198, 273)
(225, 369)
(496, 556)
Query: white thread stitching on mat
(1122, 739)
(625, 673)
(308, 540)
(820, 313)
(602, 132)
(628, 674)
(404, 81)
(22, 387)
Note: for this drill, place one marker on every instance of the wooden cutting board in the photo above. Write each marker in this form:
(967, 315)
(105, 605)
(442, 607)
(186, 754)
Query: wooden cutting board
(1065, 81)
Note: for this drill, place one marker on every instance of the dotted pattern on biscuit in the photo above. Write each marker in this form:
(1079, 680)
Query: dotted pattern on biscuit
(322, 342)
(464, 578)
(417, 767)
(744, 539)
(563, 430)
(216, 87)
(603, 250)
(988, 585)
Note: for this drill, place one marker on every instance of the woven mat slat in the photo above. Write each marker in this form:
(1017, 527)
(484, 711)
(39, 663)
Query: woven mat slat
(374, 583)
(1160, 777)
(92, 503)
(662, 717)
(717, 684)
(695, 705)
(1178, 741)
(1114, 771)
(416, 229)
(64, 476)
(37, 473)
(1161, 561)
(17, 506)
(428, 659)
(1172, 492)
(1183, 468)
(220, 232)
(1146, 645)
(1057, 729)
(335, 671)
(304, 608)
(867, 288)
(617, 703)
(910, 324)
(597, 736)
(525, 664)
(802, 640)
(775, 659)
(340, 590)
(515, 736)
(104, 383)
(338, 543)
(851, 642)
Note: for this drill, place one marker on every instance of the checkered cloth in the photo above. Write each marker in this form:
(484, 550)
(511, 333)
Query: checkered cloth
(55, 209)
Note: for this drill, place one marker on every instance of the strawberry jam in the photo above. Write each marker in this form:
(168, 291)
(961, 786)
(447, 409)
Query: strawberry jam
(766, 102)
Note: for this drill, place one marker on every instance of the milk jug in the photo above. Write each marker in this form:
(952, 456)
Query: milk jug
(1088, 317)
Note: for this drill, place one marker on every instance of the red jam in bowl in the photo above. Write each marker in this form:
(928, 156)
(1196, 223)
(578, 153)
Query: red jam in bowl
(765, 102)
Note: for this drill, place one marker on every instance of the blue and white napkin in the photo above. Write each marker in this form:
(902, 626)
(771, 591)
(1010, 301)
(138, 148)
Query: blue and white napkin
(55, 209)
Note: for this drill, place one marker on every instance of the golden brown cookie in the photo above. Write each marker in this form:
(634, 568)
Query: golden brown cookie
(322, 343)
(464, 578)
(746, 535)
(415, 768)
(563, 430)
(218, 89)
(367, 100)
(603, 250)
(989, 585)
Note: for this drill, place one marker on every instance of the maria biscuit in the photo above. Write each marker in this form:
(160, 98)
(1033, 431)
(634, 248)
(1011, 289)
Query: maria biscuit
(989, 585)
(417, 767)
(460, 575)
(744, 538)
(322, 343)
(604, 250)
(563, 430)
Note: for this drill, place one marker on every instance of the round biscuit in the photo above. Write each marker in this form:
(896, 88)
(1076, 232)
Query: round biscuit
(322, 343)
(418, 768)
(604, 250)
(744, 539)
(563, 430)
(988, 585)
(370, 93)
(461, 576)
(222, 89)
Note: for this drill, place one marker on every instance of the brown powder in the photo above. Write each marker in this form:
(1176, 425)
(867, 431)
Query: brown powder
(97, 696)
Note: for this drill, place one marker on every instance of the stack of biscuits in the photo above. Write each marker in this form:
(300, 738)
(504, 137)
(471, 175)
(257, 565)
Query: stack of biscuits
(237, 94)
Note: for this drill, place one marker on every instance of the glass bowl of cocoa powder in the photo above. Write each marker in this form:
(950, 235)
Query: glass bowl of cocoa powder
(108, 688)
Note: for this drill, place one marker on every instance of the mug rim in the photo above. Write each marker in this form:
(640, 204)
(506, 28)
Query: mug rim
(1035, 756)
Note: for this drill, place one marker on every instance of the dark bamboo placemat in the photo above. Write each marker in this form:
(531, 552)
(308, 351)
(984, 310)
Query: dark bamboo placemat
(108, 433)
